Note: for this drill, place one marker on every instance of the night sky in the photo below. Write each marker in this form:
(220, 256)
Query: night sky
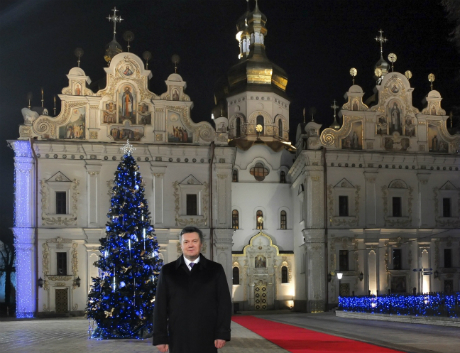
(315, 41)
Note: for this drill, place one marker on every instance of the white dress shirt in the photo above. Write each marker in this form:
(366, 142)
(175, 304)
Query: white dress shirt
(187, 262)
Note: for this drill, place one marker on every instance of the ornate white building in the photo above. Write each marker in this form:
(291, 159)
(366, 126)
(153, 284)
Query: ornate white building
(374, 199)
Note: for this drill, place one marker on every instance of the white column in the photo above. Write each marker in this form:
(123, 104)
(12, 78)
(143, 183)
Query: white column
(158, 196)
(93, 171)
(24, 237)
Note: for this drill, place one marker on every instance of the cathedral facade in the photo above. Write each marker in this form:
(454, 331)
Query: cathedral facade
(375, 199)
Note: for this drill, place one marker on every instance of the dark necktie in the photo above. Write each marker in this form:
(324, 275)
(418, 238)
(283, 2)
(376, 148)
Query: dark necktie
(191, 265)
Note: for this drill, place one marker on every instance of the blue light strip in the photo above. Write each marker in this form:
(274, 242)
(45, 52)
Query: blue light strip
(23, 230)
(435, 304)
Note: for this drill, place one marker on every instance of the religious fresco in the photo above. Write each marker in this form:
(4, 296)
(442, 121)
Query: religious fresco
(144, 115)
(435, 142)
(176, 130)
(175, 95)
(127, 104)
(126, 70)
(382, 125)
(122, 133)
(75, 128)
(109, 115)
(354, 140)
(260, 262)
(395, 115)
(77, 89)
(409, 126)
(396, 143)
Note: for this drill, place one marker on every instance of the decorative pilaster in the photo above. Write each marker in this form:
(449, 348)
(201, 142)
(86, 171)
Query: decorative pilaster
(223, 251)
(93, 171)
(425, 203)
(158, 195)
(371, 199)
(223, 197)
(315, 249)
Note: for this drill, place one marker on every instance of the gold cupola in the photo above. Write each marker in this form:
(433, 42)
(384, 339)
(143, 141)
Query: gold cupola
(254, 71)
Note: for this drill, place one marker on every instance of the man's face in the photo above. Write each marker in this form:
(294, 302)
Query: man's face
(191, 245)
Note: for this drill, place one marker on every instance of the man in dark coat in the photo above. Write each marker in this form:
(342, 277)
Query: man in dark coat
(192, 306)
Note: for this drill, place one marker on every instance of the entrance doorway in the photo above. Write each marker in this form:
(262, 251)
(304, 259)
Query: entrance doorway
(62, 300)
(260, 296)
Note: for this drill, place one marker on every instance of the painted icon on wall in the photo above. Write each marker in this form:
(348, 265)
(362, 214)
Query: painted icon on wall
(435, 142)
(77, 89)
(127, 104)
(75, 128)
(382, 126)
(122, 133)
(145, 116)
(260, 261)
(109, 115)
(395, 113)
(354, 140)
(409, 127)
(177, 131)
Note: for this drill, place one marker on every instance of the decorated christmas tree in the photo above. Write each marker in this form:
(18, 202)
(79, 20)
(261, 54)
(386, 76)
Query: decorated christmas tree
(121, 299)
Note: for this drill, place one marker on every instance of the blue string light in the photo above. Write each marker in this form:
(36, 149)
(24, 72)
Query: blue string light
(429, 304)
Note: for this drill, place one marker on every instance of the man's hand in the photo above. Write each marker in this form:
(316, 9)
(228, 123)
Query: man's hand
(163, 348)
(219, 343)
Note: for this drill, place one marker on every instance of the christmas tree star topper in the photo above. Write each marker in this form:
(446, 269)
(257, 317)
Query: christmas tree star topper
(128, 148)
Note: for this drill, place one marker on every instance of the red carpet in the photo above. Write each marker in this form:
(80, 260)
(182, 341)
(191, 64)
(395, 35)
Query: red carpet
(299, 340)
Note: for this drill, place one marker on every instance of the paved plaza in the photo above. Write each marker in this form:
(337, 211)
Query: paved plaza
(71, 335)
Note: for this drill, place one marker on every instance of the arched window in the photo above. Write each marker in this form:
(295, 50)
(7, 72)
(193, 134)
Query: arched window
(235, 176)
(280, 128)
(238, 127)
(282, 177)
(284, 274)
(283, 220)
(259, 171)
(259, 219)
(235, 219)
(260, 121)
(236, 275)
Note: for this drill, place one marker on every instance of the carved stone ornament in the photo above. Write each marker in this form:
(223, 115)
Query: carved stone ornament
(197, 221)
(65, 219)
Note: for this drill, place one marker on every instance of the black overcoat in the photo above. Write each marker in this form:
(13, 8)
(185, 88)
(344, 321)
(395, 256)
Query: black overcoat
(192, 308)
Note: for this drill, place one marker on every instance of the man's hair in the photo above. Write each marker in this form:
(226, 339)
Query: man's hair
(191, 229)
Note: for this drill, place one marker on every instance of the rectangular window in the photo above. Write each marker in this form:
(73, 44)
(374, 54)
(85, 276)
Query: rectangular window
(397, 259)
(343, 260)
(447, 258)
(61, 260)
(192, 209)
(235, 219)
(283, 220)
(397, 211)
(61, 202)
(446, 210)
(343, 206)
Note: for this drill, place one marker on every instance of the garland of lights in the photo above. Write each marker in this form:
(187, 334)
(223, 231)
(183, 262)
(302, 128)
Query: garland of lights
(435, 304)
(121, 299)
(23, 231)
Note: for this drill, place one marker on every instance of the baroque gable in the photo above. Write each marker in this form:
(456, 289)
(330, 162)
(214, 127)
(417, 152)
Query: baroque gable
(393, 124)
(124, 109)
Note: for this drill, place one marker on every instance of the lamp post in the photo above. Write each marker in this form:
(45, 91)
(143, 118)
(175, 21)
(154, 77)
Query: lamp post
(339, 277)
